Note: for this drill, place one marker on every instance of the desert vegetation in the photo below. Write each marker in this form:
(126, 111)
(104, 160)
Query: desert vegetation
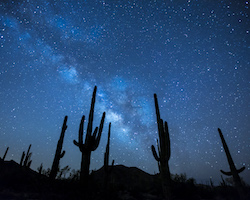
(19, 181)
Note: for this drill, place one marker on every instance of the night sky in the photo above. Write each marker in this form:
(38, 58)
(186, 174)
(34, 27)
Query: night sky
(195, 55)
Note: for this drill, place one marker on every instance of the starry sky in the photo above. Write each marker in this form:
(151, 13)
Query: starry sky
(193, 54)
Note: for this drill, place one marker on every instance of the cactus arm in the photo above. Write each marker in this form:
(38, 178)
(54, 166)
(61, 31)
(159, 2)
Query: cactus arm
(27, 156)
(29, 160)
(40, 168)
(76, 143)
(158, 147)
(98, 138)
(91, 115)
(29, 149)
(91, 145)
(82, 147)
(94, 133)
(241, 170)
(30, 155)
(230, 173)
(229, 157)
(29, 163)
(80, 136)
(226, 173)
(106, 154)
(155, 153)
(101, 126)
(233, 171)
(22, 158)
(62, 154)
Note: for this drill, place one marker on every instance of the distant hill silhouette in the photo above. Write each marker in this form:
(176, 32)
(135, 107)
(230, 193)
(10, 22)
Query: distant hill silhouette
(123, 175)
(126, 183)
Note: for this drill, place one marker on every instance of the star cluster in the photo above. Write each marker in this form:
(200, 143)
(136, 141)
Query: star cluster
(193, 54)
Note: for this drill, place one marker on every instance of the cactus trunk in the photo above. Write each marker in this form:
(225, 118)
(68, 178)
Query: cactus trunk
(59, 154)
(164, 152)
(233, 171)
(107, 170)
(85, 164)
(106, 154)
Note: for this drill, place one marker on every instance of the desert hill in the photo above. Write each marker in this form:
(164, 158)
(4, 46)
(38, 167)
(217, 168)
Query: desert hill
(125, 183)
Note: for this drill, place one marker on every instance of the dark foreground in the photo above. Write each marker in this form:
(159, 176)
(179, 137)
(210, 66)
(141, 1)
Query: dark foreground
(125, 183)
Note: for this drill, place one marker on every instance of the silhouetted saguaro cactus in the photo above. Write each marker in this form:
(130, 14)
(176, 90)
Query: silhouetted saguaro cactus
(106, 159)
(59, 154)
(6, 151)
(164, 151)
(91, 140)
(233, 171)
(106, 154)
(26, 160)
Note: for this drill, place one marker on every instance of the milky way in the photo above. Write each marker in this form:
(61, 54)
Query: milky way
(193, 54)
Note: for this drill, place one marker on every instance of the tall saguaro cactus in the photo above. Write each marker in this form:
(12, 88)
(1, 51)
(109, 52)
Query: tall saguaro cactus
(92, 140)
(106, 159)
(59, 154)
(233, 171)
(164, 151)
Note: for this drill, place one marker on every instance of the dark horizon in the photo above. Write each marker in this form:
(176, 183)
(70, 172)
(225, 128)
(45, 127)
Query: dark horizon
(193, 55)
